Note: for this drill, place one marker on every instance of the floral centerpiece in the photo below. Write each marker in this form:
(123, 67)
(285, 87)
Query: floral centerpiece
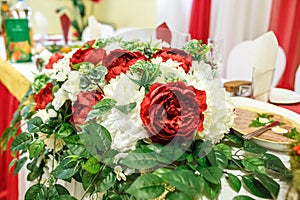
(134, 120)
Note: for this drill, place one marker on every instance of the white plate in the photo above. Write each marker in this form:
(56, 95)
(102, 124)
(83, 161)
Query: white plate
(283, 96)
(290, 115)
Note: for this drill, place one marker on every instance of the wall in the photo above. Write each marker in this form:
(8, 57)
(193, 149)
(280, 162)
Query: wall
(119, 13)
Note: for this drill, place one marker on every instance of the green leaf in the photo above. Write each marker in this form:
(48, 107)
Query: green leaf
(242, 197)
(255, 187)
(34, 124)
(274, 163)
(234, 182)
(237, 141)
(35, 171)
(66, 197)
(269, 183)
(96, 138)
(126, 108)
(185, 181)
(61, 190)
(21, 142)
(140, 160)
(73, 139)
(65, 130)
(79, 150)
(211, 174)
(87, 181)
(66, 169)
(55, 191)
(35, 148)
(205, 148)
(253, 164)
(105, 105)
(16, 118)
(177, 196)
(105, 180)
(211, 190)
(225, 149)
(36, 192)
(170, 153)
(252, 147)
(19, 165)
(8, 132)
(147, 186)
(217, 158)
(92, 165)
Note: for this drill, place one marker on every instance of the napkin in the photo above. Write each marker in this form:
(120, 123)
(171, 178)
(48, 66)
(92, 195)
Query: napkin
(265, 55)
(65, 24)
(94, 27)
(163, 32)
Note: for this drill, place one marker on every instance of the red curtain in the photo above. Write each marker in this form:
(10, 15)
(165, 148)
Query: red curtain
(8, 182)
(285, 23)
(200, 19)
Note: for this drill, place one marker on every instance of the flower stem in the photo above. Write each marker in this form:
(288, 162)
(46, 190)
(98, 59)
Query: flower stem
(92, 182)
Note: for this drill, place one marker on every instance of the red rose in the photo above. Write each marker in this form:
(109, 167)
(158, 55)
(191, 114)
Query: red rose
(118, 61)
(44, 97)
(53, 59)
(83, 105)
(88, 55)
(173, 110)
(96, 1)
(176, 55)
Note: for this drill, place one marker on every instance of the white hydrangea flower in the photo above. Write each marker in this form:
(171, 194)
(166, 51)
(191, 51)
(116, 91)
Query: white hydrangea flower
(219, 116)
(125, 129)
(61, 69)
(170, 71)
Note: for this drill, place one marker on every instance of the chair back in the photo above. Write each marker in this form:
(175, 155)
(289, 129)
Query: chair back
(241, 60)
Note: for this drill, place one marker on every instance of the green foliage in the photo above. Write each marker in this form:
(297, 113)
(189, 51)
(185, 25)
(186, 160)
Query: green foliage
(257, 123)
(294, 134)
(145, 73)
(197, 49)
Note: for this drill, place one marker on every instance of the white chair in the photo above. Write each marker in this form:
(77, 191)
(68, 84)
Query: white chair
(297, 81)
(240, 63)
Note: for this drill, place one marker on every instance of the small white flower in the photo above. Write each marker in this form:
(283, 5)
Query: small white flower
(120, 175)
(61, 69)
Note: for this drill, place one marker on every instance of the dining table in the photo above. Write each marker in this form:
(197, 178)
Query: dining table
(15, 80)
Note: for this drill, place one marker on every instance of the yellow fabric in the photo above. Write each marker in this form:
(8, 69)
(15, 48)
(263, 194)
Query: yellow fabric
(13, 80)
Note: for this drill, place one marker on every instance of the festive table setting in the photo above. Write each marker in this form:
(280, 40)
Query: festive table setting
(147, 118)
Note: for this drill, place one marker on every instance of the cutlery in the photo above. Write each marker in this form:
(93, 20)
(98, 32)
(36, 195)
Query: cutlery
(260, 131)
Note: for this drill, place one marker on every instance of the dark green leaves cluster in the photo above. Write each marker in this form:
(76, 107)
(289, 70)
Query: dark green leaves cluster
(294, 134)
(139, 46)
(197, 49)
(91, 77)
(145, 73)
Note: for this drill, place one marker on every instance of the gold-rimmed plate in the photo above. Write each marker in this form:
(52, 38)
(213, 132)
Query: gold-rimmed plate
(246, 110)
